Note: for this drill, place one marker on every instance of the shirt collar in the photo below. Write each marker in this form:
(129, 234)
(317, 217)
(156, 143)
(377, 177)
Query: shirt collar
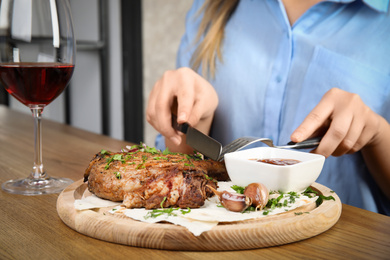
(378, 5)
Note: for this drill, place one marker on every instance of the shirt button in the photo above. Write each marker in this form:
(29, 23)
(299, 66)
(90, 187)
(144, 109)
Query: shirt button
(278, 79)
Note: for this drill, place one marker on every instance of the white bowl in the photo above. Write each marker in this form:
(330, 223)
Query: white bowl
(297, 177)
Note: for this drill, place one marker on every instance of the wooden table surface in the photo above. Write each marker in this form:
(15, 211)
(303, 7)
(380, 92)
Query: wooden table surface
(31, 228)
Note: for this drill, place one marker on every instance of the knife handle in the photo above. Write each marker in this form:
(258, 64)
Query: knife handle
(179, 127)
(309, 143)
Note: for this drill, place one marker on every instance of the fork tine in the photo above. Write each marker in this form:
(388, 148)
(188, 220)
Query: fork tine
(236, 145)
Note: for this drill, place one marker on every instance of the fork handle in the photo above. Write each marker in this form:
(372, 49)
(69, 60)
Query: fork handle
(308, 143)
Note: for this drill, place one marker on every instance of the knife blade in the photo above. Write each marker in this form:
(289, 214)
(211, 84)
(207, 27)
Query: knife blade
(202, 143)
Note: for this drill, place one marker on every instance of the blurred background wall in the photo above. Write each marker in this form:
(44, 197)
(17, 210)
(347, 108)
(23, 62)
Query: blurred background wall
(110, 35)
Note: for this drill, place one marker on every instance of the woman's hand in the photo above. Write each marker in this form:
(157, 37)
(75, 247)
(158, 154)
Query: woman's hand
(196, 102)
(348, 123)
(348, 126)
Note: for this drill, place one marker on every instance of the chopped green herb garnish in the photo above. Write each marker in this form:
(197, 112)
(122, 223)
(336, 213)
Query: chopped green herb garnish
(168, 211)
(158, 212)
(151, 150)
(238, 189)
(104, 152)
(209, 178)
(141, 166)
(117, 157)
(184, 211)
(275, 202)
(293, 196)
(109, 160)
(136, 146)
(166, 152)
(300, 213)
(321, 197)
(161, 158)
(249, 209)
(197, 156)
(162, 202)
(118, 175)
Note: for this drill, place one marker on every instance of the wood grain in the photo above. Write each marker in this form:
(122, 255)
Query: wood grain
(264, 232)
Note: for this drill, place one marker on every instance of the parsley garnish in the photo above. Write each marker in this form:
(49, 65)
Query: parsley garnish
(300, 213)
(293, 196)
(209, 178)
(238, 189)
(151, 150)
(158, 212)
(161, 158)
(118, 157)
(249, 209)
(103, 152)
(169, 211)
(321, 197)
(185, 212)
(197, 156)
(166, 152)
(118, 175)
(162, 202)
(109, 160)
(140, 166)
(115, 157)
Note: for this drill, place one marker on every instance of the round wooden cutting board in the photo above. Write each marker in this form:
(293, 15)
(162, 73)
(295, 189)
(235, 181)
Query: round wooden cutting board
(273, 230)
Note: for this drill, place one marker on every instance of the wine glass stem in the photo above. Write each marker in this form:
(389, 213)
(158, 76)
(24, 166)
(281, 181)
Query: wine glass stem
(38, 172)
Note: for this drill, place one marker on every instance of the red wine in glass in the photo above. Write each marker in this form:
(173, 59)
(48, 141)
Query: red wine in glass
(35, 83)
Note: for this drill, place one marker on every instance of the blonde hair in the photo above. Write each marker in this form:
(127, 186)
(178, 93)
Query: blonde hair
(216, 14)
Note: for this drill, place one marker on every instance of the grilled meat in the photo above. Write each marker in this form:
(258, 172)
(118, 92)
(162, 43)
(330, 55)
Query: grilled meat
(146, 177)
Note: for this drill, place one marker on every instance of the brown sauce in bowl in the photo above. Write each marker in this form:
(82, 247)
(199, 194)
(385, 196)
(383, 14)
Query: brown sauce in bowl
(275, 161)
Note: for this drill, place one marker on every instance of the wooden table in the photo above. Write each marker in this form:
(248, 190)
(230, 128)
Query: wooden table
(31, 228)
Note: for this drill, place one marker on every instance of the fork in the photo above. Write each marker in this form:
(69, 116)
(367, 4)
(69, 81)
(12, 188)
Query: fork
(242, 142)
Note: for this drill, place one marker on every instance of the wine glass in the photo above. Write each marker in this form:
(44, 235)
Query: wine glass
(37, 57)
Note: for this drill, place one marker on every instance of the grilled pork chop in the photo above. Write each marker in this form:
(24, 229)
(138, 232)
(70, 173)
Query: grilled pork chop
(146, 177)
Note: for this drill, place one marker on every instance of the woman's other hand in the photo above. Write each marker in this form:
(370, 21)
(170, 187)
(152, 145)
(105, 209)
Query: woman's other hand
(346, 122)
(348, 126)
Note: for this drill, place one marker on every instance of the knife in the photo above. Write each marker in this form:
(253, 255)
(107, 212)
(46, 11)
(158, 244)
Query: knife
(202, 143)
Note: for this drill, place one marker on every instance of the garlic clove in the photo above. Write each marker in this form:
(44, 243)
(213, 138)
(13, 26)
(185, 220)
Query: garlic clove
(232, 201)
(235, 202)
(259, 194)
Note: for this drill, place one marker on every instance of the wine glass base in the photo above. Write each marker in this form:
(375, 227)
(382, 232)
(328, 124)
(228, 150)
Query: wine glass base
(32, 187)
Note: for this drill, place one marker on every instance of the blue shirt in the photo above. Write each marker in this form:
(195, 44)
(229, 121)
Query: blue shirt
(273, 74)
